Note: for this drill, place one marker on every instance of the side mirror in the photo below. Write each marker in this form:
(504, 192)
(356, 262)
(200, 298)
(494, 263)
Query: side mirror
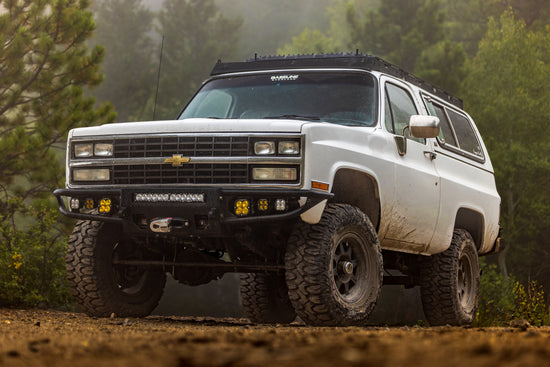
(421, 126)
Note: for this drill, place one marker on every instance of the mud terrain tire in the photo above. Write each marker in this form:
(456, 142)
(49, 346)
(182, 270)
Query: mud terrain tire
(265, 299)
(450, 283)
(101, 289)
(334, 269)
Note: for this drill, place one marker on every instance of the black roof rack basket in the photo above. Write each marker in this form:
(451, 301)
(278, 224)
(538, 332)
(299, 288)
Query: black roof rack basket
(351, 61)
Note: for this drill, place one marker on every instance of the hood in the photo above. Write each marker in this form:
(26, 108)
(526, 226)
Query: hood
(193, 126)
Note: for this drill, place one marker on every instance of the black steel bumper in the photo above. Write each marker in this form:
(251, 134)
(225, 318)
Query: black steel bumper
(208, 218)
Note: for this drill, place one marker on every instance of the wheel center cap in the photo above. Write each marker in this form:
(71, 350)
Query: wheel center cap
(347, 267)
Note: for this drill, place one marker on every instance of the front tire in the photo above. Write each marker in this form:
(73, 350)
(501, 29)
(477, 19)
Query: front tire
(265, 299)
(450, 283)
(99, 287)
(334, 268)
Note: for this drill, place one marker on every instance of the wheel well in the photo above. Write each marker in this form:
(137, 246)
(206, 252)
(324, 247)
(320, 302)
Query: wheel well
(472, 222)
(360, 190)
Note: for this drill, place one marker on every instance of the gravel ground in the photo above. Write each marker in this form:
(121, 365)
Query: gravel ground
(51, 338)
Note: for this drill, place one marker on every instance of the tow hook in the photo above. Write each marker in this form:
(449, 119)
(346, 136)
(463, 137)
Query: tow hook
(165, 225)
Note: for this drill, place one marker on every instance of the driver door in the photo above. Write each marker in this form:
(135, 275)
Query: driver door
(417, 185)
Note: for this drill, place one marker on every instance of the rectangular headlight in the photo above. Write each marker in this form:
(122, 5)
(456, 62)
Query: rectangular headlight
(103, 150)
(84, 174)
(289, 147)
(274, 174)
(264, 147)
(83, 150)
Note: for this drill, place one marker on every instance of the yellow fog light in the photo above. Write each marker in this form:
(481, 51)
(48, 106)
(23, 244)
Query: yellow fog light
(242, 207)
(105, 206)
(89, 204)
(263, 205)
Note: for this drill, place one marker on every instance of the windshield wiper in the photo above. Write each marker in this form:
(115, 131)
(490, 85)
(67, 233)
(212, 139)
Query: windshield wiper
(352, 123)
(294, 117)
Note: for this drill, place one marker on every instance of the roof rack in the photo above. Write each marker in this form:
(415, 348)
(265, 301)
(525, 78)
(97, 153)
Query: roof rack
(347, 60)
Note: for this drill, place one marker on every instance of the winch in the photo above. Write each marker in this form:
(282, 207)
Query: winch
(166, 225)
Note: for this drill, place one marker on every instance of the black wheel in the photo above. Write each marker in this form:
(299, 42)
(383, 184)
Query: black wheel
(265, 299)
(450, 283)
(334, 268)
(99, 287)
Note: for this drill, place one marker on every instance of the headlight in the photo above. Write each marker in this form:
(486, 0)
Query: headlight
(83, 150)
(264, 147)
(275, 174)
(86, 150)
(103, 150)
(289, 147)
(101, 174)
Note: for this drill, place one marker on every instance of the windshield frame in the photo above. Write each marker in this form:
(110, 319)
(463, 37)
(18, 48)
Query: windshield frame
(376, 97)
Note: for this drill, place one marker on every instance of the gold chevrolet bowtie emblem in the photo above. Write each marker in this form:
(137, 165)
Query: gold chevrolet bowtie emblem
(177, 160)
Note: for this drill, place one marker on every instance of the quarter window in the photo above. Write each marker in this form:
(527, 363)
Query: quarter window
(446, 134)
(456, 129)
(465, 134)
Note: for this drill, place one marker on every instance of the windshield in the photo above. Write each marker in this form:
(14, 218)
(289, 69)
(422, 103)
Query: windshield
(336, 97)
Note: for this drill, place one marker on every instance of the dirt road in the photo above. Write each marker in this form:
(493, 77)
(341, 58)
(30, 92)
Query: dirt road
(47, 338)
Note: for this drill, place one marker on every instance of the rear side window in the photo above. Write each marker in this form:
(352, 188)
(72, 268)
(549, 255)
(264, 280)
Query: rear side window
(465, 134)
(446, 134)
(456, 130)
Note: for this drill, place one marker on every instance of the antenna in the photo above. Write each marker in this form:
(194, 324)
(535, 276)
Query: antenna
(158, 78)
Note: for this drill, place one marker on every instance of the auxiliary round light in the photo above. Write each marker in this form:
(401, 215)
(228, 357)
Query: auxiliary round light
(263, 205)
(89, 204)
(105, 206)
(75, 203)
(280, 205)
(242, 207)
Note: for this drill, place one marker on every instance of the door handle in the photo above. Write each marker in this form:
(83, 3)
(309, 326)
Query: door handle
(430, 154)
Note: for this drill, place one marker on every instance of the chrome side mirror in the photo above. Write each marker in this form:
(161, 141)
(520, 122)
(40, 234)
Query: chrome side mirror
(421, 126)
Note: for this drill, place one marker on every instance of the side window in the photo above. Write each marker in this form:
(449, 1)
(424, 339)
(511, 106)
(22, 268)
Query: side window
(465, 134)
(446, 134)
(400, 106)
(388, 120)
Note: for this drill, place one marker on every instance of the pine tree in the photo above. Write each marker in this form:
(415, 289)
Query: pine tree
(124, 28)
(44, 65)
(196, 35)
(44, 68)
(412, 35)
(507, 91)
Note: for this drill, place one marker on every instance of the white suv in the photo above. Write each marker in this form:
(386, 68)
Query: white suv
(320, 178)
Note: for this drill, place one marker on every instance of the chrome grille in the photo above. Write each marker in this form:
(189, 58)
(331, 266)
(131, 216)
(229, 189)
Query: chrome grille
(188, 174)
(187, 146)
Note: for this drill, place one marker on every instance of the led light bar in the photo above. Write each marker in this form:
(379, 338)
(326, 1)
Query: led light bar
(168, 197)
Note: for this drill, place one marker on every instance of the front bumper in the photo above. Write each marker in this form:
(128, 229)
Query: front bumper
(214, 216)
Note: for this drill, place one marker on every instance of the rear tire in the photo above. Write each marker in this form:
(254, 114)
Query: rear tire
(265, 299)
(334, 268)
(450, 283)
(99, 287)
